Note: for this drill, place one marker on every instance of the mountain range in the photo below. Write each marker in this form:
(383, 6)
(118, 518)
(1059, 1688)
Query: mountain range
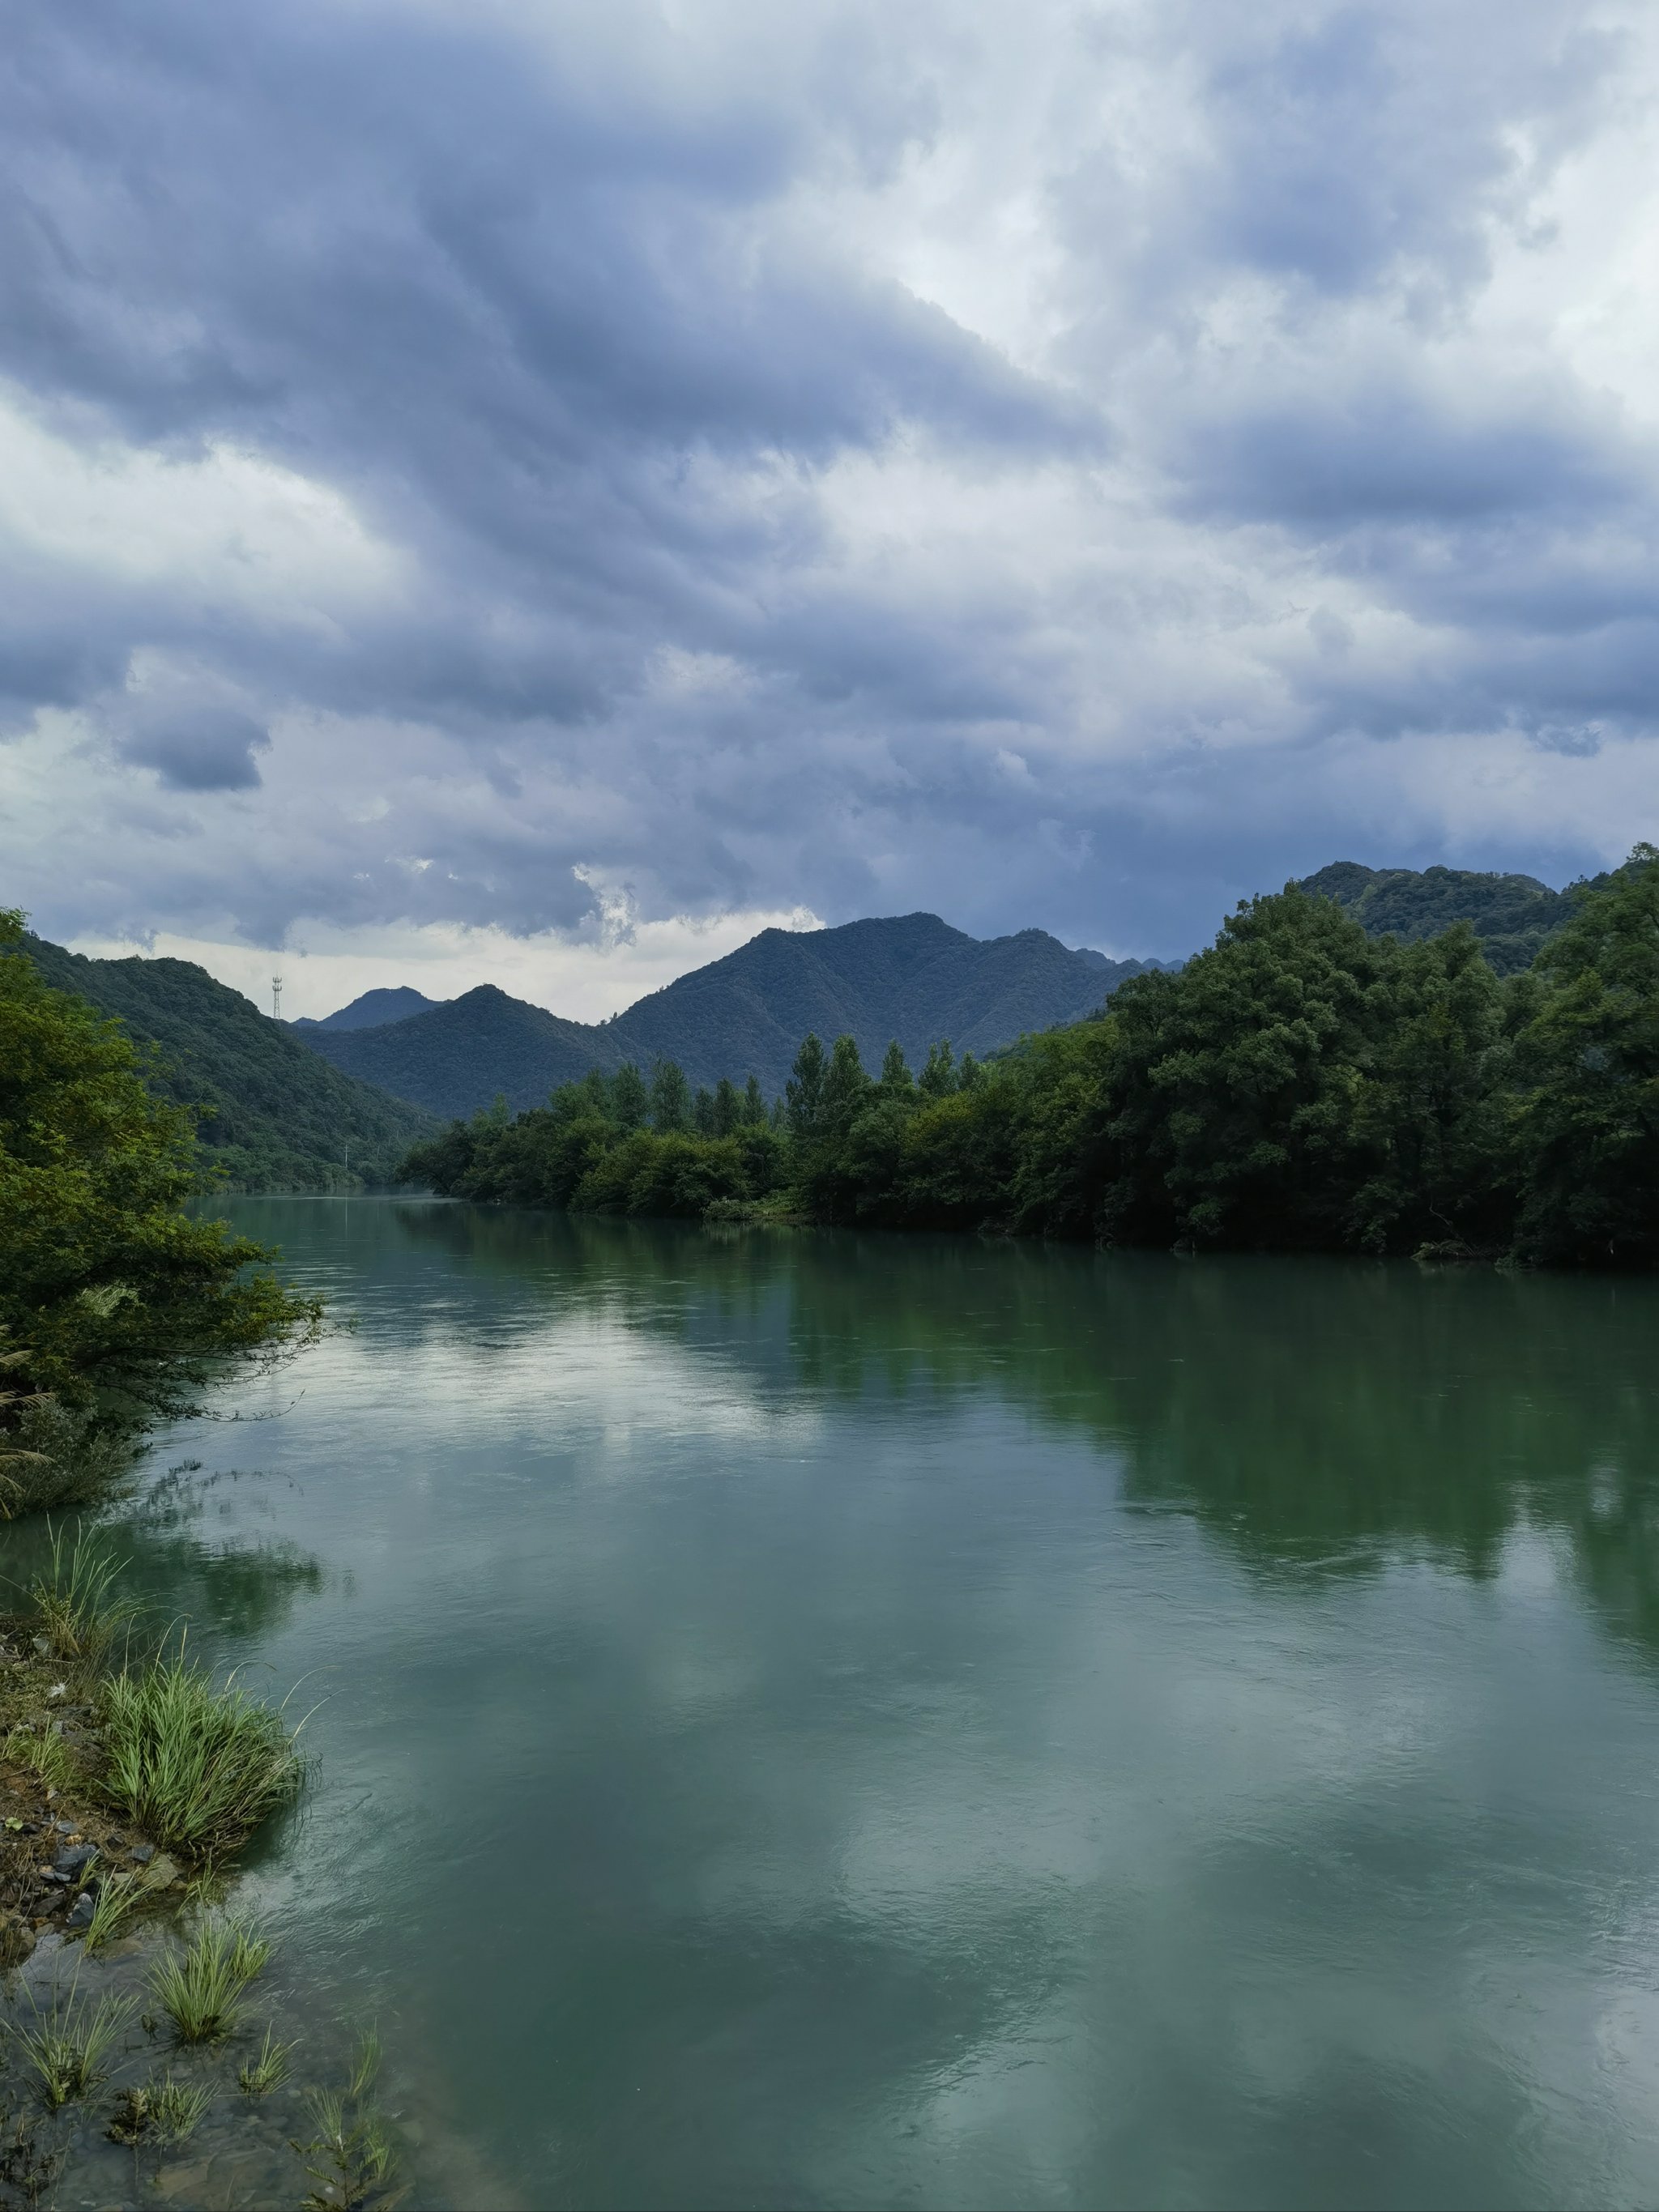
(910, 976)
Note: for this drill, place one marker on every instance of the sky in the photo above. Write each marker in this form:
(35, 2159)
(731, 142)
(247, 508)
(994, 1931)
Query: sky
(535, 492)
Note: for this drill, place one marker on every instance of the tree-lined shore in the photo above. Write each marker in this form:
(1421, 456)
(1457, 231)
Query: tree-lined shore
(1299, 1085)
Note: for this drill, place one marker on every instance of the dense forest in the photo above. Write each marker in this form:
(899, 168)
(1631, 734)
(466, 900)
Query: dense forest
(1300, 1084)
(269, 1115)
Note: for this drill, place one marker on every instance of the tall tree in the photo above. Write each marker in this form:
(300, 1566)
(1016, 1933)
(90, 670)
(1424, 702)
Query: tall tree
(847, 1088)
(630, 1103)
(670, 1098)
(754, 1104)
(896, 1078)
(938, 1079)
(804, 1092)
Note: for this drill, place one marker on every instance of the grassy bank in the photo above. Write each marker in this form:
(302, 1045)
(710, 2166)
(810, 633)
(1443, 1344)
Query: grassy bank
(130, 1781)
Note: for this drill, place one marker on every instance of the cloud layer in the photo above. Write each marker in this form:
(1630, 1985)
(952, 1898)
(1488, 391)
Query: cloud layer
(465, 468)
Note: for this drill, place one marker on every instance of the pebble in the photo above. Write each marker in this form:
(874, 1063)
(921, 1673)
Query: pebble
(81, 1913)
(143, 1852)
(72, 1861)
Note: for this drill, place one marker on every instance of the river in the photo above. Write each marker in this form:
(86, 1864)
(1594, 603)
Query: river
(824, 1720)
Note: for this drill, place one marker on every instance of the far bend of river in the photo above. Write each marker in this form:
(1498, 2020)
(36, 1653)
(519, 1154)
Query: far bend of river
(832, 1720)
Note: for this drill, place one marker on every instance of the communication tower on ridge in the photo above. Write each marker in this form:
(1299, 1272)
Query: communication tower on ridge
(275, 998)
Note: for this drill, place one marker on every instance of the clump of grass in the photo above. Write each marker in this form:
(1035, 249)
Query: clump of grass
(67, 2048)
(258, 2077)
(165, 2111)
(197, 1765)
(75, 1601)
(350, 2162)
(46, 1755)
(117, 1899)
(200, 1987)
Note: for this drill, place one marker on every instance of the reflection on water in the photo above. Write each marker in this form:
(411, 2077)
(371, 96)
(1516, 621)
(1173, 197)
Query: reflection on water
(838, 1720)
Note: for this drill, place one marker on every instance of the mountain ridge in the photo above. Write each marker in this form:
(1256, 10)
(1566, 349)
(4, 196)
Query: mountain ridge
(910, 976)
(1513, 916)
(272, 1115)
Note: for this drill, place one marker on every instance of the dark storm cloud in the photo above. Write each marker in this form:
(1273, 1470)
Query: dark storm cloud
(651, 454)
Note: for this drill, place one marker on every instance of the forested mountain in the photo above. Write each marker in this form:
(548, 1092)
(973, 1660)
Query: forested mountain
(371, 1010)
(1511, 916)
(275, 1116)
(911, 977)
(464, 1055)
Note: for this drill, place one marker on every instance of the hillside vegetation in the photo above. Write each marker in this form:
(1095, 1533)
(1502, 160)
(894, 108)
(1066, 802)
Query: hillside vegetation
(1300, 1084)
(1511, 916)
(272, 1115)
(911, 977)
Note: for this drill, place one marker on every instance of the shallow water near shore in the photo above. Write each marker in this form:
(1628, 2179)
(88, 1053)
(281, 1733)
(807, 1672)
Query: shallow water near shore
(859, 1720)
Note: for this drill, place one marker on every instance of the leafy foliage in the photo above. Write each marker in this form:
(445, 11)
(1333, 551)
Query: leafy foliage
(1587, 1066)
(110, 1290)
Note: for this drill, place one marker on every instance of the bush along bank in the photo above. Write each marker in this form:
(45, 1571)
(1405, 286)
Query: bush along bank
(131, 1780)
(1299, 1087)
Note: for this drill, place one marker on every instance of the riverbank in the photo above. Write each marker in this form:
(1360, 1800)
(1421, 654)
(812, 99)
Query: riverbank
(146, 2048)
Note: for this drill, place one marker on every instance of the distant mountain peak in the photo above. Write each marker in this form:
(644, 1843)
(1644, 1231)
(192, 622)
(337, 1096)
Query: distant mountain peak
(373, 1010)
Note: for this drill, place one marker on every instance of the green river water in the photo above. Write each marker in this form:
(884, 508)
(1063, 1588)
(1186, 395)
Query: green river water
(821, 1720)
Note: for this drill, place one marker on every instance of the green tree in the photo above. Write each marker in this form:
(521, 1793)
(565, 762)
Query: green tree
(754, 1104)
(116, 1296)
(846, 1089)
(702, 1112)
(670, 1098)
(896, 1078)
(804, 1092)
(938, 1079)
(1587, 1062)
(728, 1115)
(630, 1105)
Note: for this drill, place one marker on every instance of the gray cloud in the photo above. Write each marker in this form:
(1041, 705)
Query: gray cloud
(1004, 465)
